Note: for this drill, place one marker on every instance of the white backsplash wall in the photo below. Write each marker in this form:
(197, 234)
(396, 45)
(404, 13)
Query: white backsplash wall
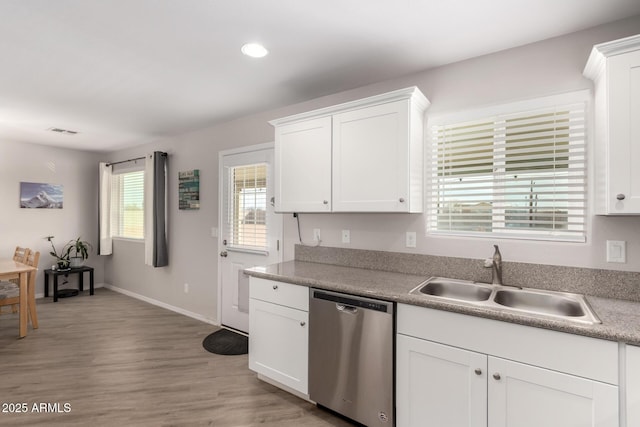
(77, 171)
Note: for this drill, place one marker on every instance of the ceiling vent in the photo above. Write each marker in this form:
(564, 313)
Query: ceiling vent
(65, 131)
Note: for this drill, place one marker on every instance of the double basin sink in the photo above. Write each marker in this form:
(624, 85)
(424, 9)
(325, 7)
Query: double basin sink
(534, 302)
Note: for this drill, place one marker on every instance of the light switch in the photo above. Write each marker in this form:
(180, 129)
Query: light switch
(617, 251)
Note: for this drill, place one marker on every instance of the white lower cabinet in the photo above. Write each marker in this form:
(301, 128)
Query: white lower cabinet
(437, 385)
(444, 385)
(632, 380)
(279, 334)
(528, 396)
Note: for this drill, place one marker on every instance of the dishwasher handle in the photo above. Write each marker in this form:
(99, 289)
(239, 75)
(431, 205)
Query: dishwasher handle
(346, 309)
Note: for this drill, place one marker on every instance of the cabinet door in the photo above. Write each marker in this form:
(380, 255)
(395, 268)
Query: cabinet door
(633, 385)
(624, 136)
(278, 343)
(528, 396)
(371, 159)
(303, 166)
(439, 385)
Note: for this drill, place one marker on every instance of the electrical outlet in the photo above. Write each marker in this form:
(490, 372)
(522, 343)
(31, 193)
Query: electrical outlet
(411, 239)
(186, 288)
(346, 236)
(316, 234)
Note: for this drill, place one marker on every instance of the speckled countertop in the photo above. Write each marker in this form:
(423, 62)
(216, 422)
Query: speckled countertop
(620, 318)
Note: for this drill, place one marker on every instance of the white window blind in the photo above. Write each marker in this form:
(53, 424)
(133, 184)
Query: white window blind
(127, 205)
(520, 175)
(246, 207)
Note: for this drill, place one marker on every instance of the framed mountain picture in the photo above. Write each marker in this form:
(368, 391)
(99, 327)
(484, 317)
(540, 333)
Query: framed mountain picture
(35, 195)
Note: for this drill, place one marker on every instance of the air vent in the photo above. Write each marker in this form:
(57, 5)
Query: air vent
(65, 131)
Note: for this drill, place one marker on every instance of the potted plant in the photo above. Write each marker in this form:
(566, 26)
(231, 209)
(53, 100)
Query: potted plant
(72, 255)
(78, 252)
(62, 257)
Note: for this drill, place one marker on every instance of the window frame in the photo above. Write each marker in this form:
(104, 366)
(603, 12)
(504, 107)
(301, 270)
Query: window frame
(506, 109)
(116, 202)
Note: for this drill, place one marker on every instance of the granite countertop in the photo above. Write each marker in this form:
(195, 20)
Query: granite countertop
(620, 318)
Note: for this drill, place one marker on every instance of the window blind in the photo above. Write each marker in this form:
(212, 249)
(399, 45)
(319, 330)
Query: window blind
(127, 205)
(246, 207)
(512, 175)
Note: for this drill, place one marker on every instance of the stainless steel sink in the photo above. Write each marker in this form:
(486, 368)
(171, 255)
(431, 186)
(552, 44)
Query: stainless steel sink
(556, 305)
(458, 290)
(533, 302)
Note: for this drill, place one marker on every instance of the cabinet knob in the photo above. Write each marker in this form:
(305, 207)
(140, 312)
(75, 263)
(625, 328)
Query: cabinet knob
(620, 196)
(275, 287)
(223, 254)
(478, 371)
(496, 376)
(325, 202)
(401, 199)
(303, 323)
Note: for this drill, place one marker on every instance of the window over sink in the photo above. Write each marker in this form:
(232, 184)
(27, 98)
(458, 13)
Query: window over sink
(514, 171)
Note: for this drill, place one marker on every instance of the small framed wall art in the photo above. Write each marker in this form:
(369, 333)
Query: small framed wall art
(189, 190)
(34, 195)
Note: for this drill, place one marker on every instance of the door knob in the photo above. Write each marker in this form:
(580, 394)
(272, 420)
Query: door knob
(223, 254)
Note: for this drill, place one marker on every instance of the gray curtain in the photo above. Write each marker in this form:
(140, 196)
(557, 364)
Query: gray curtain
(159, 206)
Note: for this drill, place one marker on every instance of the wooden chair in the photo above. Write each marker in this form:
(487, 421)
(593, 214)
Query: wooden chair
(20, 255)
(10, 292)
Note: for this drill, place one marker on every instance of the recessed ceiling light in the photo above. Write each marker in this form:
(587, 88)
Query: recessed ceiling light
(254, 50)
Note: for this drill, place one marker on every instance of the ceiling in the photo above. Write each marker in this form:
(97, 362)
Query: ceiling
(125, 72)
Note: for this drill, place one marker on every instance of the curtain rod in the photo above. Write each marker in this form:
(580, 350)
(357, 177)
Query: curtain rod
(132, 160)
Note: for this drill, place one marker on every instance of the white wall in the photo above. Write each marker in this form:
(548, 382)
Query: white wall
(544, 68)
(77, 171)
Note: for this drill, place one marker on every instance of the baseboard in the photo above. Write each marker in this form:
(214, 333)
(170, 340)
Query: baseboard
(162, 304)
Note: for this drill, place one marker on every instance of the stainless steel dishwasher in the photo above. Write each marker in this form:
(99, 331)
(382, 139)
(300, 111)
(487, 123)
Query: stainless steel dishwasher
(351, 356)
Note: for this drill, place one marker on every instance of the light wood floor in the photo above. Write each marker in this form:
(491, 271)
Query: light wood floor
(118, 361)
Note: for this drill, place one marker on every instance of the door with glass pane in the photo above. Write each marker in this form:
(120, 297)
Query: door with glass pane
(250, 231)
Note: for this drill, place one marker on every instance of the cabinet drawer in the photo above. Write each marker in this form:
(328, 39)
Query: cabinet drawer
(286, 294)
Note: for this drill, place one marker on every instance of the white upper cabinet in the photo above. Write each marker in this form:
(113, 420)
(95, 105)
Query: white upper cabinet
(303, 166)
(361, 156)
(615, 69)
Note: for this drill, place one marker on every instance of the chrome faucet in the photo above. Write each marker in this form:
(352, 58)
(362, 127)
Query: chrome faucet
(496, 267)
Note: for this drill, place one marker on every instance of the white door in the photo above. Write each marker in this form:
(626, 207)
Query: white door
(250, 230)
(528, 396)
(624, 125)
(439, 385)
(370, 159)
(279, 344)
(303, 156)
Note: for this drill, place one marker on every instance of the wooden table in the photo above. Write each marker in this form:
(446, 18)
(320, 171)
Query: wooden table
(10, 269)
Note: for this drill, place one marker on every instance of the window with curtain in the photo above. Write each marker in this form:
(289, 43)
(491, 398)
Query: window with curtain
(246, 207)
(127, 205)
(519, 173)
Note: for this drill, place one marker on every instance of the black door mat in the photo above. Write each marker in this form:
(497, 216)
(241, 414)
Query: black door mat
(226, 342)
